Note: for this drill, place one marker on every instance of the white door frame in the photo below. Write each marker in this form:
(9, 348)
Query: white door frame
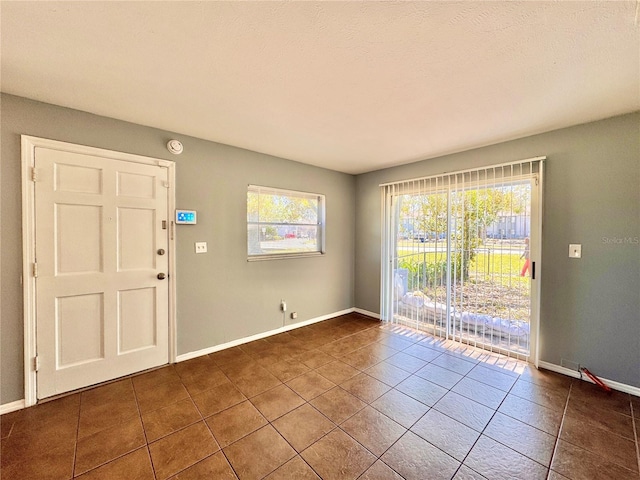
(29, 145)
(537, 204)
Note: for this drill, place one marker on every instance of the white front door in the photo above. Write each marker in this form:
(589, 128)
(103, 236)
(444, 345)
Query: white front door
(101, 249)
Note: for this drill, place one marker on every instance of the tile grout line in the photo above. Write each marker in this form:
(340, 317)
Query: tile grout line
(187, 426)
(635, 431)
(147, 447)
(379, 458)
(494, 413)
(480, 363)
(256, 357)
(75, 450)
(269, 423)
(144, 432)
(13, 425)
(203, 419)
(338, 425)
(95, 433)
(597, 453)
(432, 407)
(564, 413)
(485, 427)
(492, 416)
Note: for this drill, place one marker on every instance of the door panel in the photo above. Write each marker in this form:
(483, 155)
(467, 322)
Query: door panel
(101, 311)
(136, 231)
(73, 222)
(136, 319)
(135, 185)
(79, 317)
(77, 179)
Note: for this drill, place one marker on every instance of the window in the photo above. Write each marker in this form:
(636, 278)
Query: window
(468, 287)
(283, 223)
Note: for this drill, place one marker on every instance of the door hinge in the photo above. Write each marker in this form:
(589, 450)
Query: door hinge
(36, 363)
(35, 269)
(34, 174)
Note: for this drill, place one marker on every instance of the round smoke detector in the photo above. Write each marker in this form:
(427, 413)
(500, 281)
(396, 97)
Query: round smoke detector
(175, 147)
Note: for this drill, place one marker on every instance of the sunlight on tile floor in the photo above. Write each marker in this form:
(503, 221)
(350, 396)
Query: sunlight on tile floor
(347, 398)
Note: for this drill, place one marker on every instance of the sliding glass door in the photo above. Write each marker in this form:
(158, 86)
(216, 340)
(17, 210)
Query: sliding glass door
(460, 253)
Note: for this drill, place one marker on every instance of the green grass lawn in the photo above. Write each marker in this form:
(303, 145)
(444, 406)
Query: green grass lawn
(494, 286)
(516, 246)
(497, 267)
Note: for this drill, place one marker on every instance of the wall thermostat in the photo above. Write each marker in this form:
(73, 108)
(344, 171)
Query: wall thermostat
(186, 217)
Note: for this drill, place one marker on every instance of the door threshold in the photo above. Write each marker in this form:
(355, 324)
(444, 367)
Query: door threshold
(106, 382)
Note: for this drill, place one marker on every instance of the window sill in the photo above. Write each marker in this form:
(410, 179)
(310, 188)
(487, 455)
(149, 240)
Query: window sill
(283, 256)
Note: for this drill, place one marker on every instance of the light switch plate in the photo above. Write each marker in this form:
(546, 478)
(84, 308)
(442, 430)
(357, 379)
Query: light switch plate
(201, 247)
(575, 250)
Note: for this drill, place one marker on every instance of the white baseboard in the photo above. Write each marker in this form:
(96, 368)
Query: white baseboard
(20, 404)
(12, 407)
(259, 336)
(621, 387)
(367, 313)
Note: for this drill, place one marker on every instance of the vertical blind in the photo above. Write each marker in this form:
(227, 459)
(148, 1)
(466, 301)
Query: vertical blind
(453, 250)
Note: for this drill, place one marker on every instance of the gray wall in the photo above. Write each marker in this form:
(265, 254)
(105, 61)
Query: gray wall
(590, 308)
(221, 297)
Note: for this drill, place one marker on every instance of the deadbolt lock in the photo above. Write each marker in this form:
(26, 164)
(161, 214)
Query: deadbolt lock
(161, 251)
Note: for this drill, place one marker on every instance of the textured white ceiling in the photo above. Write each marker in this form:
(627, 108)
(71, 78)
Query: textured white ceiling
(351, 86)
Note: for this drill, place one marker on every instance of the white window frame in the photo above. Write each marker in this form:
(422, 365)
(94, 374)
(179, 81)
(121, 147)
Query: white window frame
(320, 225)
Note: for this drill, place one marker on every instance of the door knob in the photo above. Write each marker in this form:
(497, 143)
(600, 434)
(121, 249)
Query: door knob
(161, 251)
(161, 276)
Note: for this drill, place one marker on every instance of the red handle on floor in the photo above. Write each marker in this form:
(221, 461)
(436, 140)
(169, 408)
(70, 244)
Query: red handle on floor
(596, 380)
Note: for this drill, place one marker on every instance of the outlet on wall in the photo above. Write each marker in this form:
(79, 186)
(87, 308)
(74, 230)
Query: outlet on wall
(201, 247)
(294, 315)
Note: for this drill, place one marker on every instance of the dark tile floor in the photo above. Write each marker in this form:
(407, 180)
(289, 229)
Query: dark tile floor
(343, 399)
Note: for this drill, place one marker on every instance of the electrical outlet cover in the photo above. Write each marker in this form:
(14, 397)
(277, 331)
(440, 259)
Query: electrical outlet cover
(575, 250)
